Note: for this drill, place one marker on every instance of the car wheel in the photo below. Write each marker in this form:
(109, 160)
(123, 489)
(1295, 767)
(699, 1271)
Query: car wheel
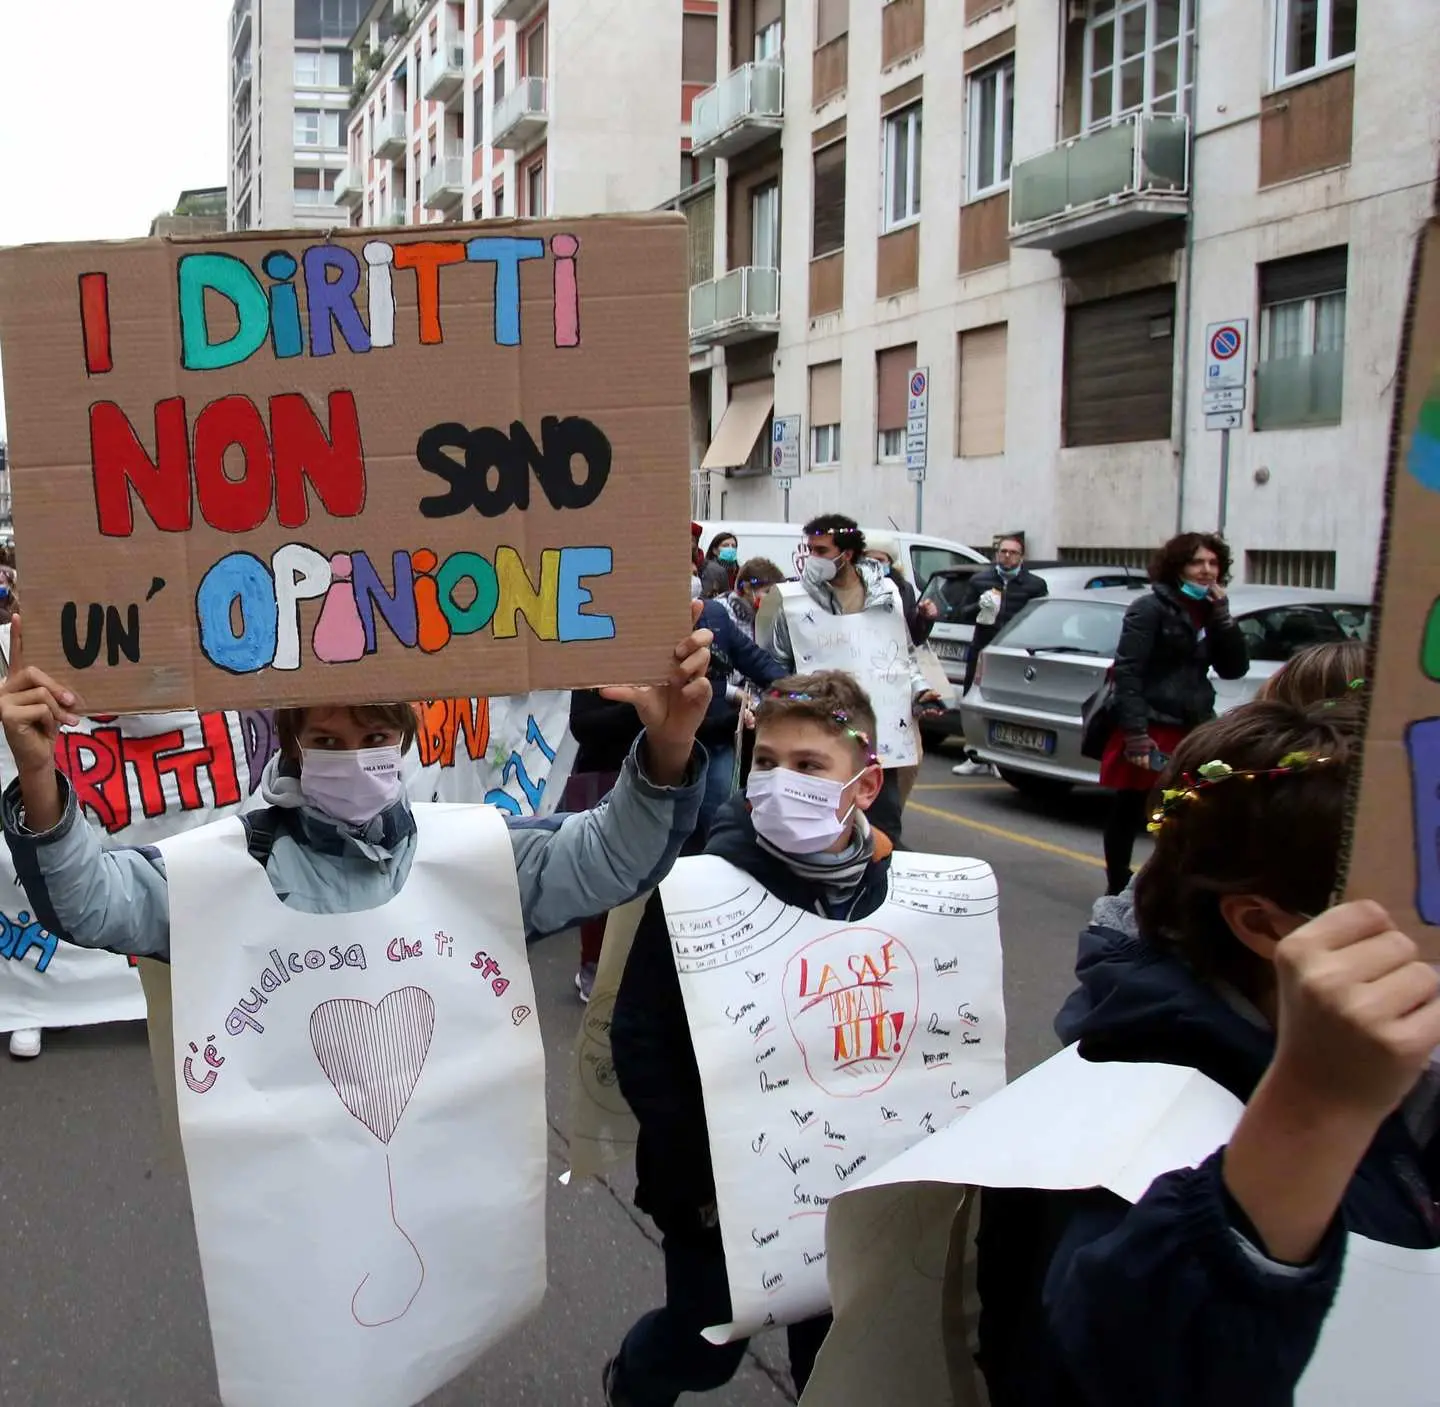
(1041, 788)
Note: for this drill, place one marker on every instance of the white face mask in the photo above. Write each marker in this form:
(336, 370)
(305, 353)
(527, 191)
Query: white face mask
(353, 787)
(796, 813)
(820, 571)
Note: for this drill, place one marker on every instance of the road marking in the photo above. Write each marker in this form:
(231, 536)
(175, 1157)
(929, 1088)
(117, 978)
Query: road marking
(962, 786)
(1014, 837)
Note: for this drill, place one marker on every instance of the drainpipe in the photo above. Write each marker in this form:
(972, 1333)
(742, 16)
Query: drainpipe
(1189, 281)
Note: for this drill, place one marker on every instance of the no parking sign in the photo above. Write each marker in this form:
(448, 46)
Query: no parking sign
(1226, 353)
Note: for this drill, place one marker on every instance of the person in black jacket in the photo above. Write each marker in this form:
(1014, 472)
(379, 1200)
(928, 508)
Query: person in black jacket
(1173, 636)
(1212, 1289)
(994, 596)
(804, 720)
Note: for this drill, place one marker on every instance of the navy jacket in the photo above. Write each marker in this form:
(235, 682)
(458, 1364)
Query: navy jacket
(1087, 1300)
(650, 1035)
(757, 665)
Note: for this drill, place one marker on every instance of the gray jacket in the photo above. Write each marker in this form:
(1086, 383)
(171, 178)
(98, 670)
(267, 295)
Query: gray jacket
(569, 867)
(880, 595)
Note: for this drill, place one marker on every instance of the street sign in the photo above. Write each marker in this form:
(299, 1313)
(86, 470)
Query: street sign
(1226, 353)
(1231, 398)
(917, 425)
(1224, 420)
(785, 450)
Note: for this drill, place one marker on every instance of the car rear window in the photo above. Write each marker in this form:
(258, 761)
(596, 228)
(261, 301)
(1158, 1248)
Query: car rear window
(1077, 627)
(1277, 634)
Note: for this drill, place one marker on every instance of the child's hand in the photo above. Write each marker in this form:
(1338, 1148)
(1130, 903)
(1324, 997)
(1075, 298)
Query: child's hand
(1359, 1012)
(32, 709)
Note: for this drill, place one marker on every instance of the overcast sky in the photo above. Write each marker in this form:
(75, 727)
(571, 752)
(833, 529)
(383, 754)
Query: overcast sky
(107, 112)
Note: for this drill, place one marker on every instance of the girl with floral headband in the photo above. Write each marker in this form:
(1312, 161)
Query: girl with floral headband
(1227, 958)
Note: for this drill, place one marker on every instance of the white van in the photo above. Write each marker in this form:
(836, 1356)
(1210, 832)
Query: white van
(784, 544)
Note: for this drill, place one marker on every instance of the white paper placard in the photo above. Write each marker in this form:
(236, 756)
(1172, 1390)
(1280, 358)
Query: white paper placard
(362, 1104)
(826, 1047)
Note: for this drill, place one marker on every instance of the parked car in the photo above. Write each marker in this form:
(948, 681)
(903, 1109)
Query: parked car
(951, 641)
(1023, 713)
(782, 544)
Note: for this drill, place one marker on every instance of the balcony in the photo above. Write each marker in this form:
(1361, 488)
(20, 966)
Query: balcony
(392, 137)
(1102, 184)
(736, 307)
(521, 116)
(739, 111)
(240, 75)
(350, 187)
(444, 185)
(445, 72)
(240, 18)
(517, 10)
(394, 217)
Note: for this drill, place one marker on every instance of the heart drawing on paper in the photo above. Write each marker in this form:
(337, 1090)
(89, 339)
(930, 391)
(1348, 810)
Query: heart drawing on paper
(373, 1055)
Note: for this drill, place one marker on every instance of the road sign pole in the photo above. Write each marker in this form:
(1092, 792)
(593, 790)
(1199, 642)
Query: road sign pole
(1224, 479)
(786, 492)
(920, 505)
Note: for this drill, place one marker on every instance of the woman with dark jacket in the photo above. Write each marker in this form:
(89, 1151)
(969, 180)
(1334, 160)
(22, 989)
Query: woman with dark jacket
(1172, 637)
(722, 566)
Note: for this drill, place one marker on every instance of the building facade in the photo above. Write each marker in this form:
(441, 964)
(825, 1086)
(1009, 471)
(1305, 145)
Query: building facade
(1047, 203)
(482, 109)
(291, 70)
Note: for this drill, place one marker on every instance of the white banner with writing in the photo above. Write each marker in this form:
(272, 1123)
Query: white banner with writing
(827, 1047)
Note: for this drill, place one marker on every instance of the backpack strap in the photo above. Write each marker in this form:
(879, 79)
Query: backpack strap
(261, 829)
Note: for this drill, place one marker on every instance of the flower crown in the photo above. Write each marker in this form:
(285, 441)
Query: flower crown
(838, 714)
(1212, 774)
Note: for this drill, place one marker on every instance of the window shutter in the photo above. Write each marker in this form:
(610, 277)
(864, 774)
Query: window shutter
(829, 225)
(768, 12)
(892, 402)
(1119, 368)
(832, 19)
(698, 49)
(825, 394)
(982, 390)
(1304, 276)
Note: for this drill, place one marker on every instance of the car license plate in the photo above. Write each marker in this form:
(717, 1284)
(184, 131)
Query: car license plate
(949, 649)
(1025, 739)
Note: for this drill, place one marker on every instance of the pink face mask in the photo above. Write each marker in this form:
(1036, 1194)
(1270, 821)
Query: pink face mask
(353, 787)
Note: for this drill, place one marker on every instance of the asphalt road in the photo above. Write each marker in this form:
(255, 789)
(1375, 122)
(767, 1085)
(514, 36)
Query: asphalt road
(101, 1302)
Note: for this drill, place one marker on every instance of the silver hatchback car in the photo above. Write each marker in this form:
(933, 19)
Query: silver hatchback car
(1023, 713)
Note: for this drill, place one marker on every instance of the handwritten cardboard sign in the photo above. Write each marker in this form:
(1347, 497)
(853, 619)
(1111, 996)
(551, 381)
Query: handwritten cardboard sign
(280, 469)
(1395, 848)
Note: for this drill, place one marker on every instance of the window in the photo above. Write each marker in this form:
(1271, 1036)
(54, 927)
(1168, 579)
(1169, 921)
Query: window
(698, 52)
(307, 68)
(314, 69)
(1274, 636)
(990, 117)
(1312, 35)
(981, 391)
(479, 123)
(535, 190)
(1119, 368)
(535, 52)
(499, 84)
(1311, 569)
(499, 202)
(828, 221)
(1061, 623)
(1299, 379)
(767, 42)
(1139, 57)
(825, 415)
(902, 167)
(765, 226)
(892, 399)
(307, 127)
(311, 186)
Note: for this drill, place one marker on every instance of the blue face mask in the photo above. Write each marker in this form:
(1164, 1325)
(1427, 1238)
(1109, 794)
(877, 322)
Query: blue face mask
(728, 555)
(1194, 592)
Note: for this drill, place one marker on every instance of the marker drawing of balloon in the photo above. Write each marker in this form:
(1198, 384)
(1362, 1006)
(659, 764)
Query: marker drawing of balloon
(373, 1056)
(852, 998)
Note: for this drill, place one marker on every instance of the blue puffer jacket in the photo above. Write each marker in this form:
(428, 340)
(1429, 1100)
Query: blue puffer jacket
(745, 656)
(1088, 1300)
(569, 867)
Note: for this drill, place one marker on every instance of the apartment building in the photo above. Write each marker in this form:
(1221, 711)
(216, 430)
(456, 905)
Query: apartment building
(481, 109)
(1047, 203)
(291, 70)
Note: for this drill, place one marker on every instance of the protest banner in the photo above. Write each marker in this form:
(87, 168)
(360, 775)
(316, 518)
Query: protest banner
(825, 1048)
(141, 778)
(362, 1106)
(1395, 825)
(263, 469)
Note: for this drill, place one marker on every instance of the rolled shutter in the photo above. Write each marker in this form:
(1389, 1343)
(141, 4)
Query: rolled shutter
(893, 367)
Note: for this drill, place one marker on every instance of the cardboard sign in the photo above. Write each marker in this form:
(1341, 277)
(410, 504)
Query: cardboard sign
(280, 469)
(1395, 848)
